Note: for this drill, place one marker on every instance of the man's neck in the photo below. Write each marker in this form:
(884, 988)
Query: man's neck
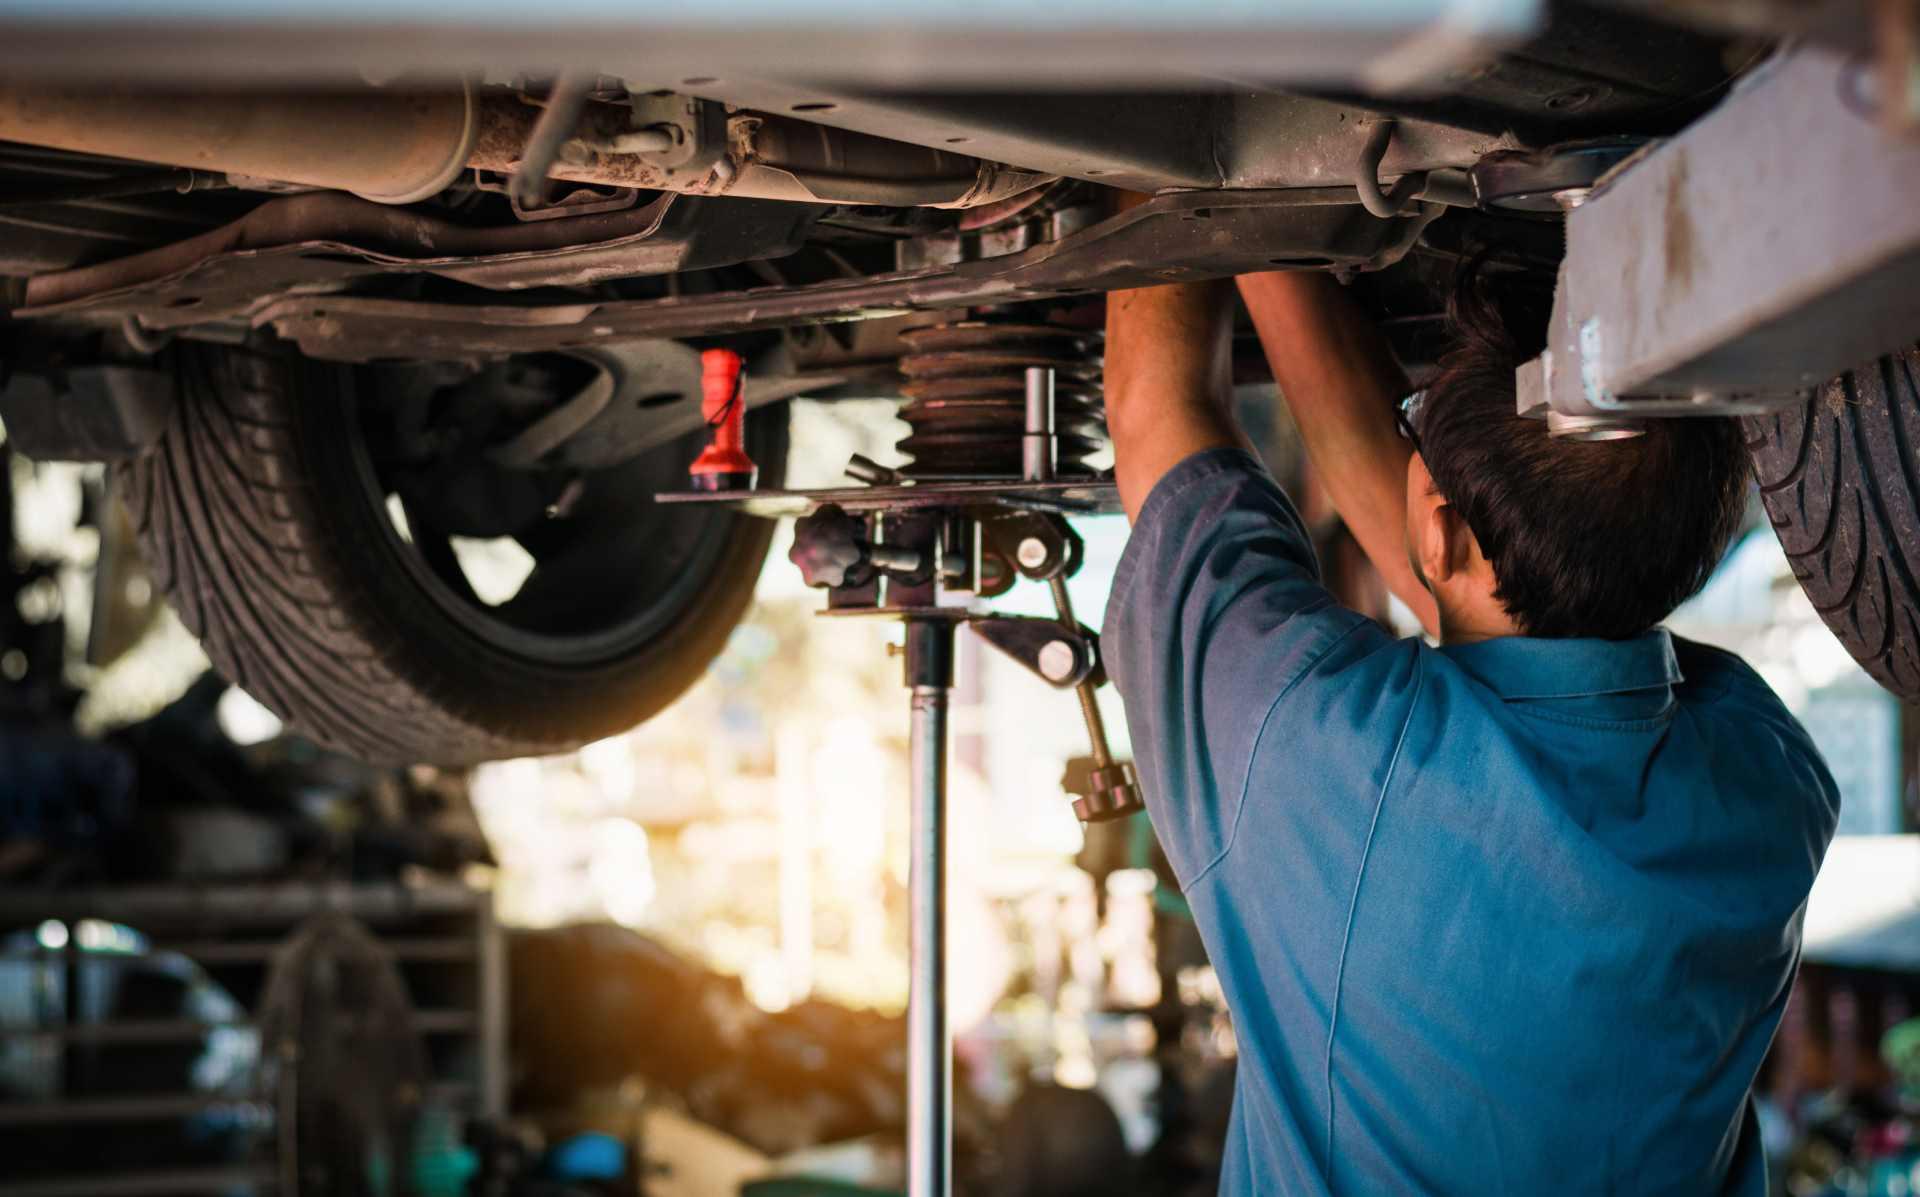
(1472, 623)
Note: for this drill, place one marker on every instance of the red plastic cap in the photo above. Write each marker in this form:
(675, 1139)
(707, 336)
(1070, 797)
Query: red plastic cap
(724, 464)
(719, 376)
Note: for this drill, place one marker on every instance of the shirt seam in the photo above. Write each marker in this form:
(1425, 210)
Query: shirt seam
(1353, 904)
(1246, 777)
(1550, 696)
(1593, 723)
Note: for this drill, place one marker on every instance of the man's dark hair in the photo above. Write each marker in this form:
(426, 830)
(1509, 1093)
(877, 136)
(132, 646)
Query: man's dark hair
(1586, 538)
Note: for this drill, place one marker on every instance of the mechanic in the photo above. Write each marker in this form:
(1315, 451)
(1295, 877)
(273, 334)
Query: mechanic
(1514, 914)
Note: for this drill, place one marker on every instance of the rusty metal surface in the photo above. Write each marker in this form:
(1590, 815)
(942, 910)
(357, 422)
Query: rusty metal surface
(326, 241)
(1249, 137)
(769, 157)
(267, 271)
(1762, 251)
(396, 146)
(1587, 70)
(1174, 238)
(387, 145)
(1279, 140)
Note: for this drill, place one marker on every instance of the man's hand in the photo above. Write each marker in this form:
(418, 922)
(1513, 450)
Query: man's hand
(1340, 380)
(1168, 381)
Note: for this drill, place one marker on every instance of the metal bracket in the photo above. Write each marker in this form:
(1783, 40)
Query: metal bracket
(684, 136)
(580, 200)
(1040, 545)
(90, 413)
(1060, 656)
(899, 549)
(1767, 248)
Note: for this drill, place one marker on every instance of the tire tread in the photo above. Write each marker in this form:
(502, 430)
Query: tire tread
(1837, 478)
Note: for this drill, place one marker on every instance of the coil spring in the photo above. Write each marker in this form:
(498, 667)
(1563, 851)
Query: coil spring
(966, 388)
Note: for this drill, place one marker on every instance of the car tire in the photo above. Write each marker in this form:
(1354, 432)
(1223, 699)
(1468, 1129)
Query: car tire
(257, 526)
(1840, 479)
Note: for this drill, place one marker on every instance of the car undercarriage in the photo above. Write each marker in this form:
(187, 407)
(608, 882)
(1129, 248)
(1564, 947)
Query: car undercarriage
(869, 203)
(336, 308)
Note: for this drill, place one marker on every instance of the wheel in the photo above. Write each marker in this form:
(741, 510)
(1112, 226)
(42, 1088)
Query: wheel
(1838, 477)
(318, 556)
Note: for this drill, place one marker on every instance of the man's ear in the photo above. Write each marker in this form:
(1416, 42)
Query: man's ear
(1431, 540)
(1462, 548)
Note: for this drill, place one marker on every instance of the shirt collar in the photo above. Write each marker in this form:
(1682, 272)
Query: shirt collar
(1523, 667)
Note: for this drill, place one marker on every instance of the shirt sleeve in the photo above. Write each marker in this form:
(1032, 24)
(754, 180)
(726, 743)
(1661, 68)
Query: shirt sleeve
(1217, 612)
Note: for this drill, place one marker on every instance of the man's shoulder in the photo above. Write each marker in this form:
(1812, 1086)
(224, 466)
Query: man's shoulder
(1721, 685)
(1712, 674)
(1723, 690)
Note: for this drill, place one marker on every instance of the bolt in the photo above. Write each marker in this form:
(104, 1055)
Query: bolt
(563, 505)
(897, 559)
(1032, 553)
(871, 472)
(1575, 98)
(1056, 660)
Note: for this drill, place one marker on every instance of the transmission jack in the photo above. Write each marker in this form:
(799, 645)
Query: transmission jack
(927, 545)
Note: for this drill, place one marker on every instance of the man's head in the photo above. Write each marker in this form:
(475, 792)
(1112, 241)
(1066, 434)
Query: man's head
(1516, 531)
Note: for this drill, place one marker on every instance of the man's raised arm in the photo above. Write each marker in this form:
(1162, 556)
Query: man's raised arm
(1340, 380)
(1168, 381)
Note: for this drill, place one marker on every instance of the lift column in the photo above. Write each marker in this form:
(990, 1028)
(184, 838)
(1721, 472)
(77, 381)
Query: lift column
(929, 674)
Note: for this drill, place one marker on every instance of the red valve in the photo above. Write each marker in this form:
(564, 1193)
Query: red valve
(724, 464)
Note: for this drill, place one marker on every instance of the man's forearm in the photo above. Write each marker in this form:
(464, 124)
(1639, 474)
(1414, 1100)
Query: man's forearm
(1168, 384)
(1340, 380)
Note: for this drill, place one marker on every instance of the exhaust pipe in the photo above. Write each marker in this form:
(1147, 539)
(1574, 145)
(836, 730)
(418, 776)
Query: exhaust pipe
(766, 157)
(401, 147)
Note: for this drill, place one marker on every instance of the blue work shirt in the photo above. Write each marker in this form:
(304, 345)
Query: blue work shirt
(1513, 917)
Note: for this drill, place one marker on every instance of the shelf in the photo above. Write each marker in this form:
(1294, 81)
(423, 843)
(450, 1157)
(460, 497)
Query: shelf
(120, 1109)
(436, 948)
(175, 1030)
(158, 1182)
(151, 906)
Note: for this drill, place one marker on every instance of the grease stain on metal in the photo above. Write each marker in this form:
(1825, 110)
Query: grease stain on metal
(1679, 244)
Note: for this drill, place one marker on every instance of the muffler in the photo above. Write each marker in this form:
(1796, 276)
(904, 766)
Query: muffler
(399, 147)
(392, 147)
